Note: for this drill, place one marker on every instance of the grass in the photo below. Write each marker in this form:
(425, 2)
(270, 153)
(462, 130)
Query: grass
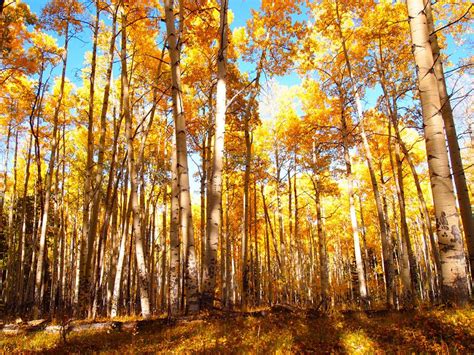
(352, 332)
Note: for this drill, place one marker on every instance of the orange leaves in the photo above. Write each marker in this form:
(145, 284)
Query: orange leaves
(58, 14)
(44, 51)
(14, 34)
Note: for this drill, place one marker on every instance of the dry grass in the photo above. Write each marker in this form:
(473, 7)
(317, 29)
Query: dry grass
(353, 332)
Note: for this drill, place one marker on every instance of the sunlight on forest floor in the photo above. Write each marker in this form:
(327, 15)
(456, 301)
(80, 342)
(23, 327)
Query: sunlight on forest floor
(352, 332)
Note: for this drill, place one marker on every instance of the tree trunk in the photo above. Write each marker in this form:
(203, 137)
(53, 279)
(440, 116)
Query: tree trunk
(215, 202)
(122, 250)
(245, 239)
(12, 258)
(323, 258)
(257, 251)
(22, 239)
(134, 181)
(164, 263)
(204, 228)
(410, 287)
(228, 252)
(186, 218)
(174, 237)
(352, 211)
(283, 264)
(368, 154)
(38, 299)
(97, 188)
(453, 263)
(110, 202)
(424, 211)
(85, 286)
(453, 144)
(5, 176)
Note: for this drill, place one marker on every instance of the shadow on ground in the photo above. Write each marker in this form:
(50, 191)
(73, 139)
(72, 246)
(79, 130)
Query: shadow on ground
(351, 332)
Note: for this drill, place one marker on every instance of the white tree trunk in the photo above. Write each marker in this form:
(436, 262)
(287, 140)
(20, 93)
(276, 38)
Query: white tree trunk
(214, 219)
(453, 262)
(186, 217)
(134, 182)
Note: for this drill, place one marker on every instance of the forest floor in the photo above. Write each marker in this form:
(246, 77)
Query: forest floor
(435, 330)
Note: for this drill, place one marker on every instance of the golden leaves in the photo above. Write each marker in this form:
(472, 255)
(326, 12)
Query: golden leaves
(58, 14)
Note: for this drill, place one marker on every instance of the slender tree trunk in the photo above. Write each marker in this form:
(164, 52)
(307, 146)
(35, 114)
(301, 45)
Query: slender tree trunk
(22, 239)
(85, 286)
(126, 210)
(12, 258)
(207, 175)
(368, 154)
(364, 239)
(352, 212)
(228, 252)
(35, 111)
(55, 247)
(174, 237)
(424, 210)
(5, 176)
(97, 188)
(134, 181)
(164, 253)
(268, 258)
(245, 239)
(186, 218)
(110, 203)
(267, 216)
(256, 240)
(453, 263)
(323, 258)
(399, 186)
(204, 228)
(283, 263)
(38, 299)
(215, 201)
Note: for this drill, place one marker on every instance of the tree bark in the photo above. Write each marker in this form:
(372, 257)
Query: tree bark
(457, 168)
(85, 286)
(38, 299)
(134, 181)
(453, 263)
(186, 218)
(126, 210)
(215, 201)
(97, 188)
(410, 287)
(174, 237)
(322, 250)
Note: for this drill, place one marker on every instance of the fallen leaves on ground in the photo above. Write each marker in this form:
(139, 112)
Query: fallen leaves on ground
(352, 332)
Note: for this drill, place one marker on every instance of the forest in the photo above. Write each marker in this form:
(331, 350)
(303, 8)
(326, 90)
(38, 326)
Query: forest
(172, 170)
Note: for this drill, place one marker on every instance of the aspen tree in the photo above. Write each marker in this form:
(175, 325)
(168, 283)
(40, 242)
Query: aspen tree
(186, 218)
(467, 217)
(134, 179)
(453, 263)
(215, 202)
(38, 298)
(88, 232)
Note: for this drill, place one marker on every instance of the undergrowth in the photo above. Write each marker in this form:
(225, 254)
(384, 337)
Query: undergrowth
(439, 331)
